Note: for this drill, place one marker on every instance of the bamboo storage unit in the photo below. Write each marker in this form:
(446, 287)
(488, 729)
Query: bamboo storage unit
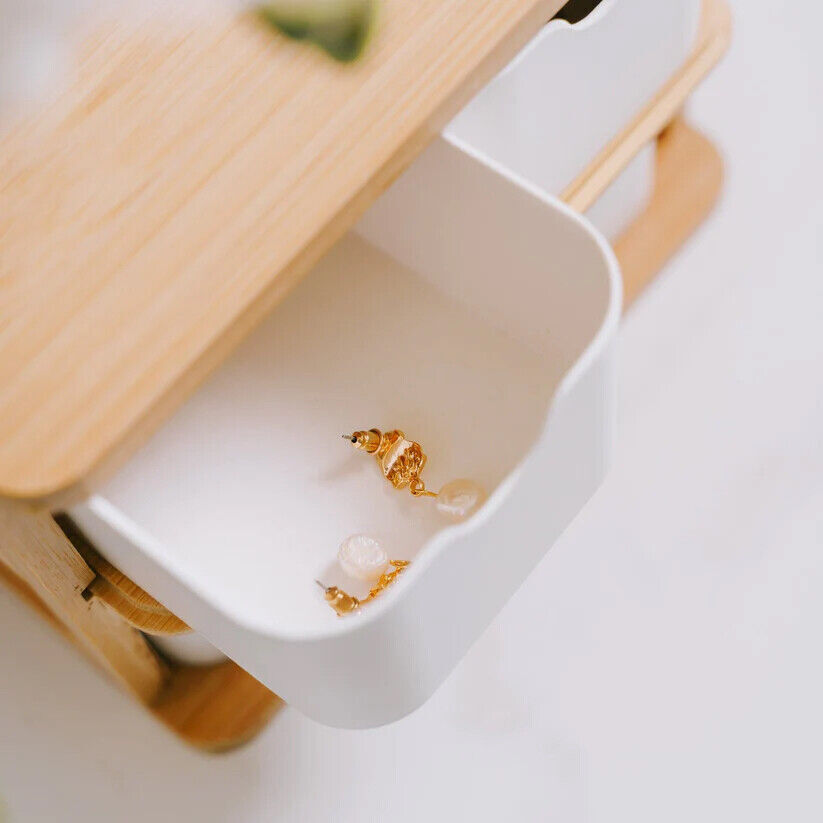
(327, 143)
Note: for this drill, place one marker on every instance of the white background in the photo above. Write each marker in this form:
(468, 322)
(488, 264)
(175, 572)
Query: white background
(664, 661)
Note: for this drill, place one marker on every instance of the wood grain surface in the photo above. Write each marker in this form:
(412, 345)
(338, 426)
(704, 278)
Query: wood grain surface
(159, 208)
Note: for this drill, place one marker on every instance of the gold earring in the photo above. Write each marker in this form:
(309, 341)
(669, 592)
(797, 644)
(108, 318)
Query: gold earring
(402, 462)
(344, 603)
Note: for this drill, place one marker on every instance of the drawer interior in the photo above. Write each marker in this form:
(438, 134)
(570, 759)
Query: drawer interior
(251, 483)
(459, 310)
(248, 490)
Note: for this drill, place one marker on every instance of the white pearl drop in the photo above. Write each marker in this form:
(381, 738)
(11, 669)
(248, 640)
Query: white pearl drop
(460, 498)
(362, 557)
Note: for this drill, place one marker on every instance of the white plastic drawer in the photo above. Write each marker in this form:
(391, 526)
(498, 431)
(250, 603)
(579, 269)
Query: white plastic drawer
(470, 310)
(612, 213)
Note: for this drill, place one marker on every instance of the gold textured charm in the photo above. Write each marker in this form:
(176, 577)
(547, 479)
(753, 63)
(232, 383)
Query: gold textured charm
(400, 460)
(344, 603)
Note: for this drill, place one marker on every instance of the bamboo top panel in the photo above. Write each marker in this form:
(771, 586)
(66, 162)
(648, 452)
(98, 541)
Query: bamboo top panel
(171, 195)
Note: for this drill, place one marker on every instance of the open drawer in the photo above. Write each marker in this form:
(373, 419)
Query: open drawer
(469, 309)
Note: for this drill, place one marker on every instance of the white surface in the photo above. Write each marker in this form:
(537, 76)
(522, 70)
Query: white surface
(662, 664)
(491, 346)
(574, 87)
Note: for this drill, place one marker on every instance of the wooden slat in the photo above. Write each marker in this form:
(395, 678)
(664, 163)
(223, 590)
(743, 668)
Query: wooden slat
(168, 200)
(688, 181)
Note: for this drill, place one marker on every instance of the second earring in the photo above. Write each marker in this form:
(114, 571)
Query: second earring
(402, 462)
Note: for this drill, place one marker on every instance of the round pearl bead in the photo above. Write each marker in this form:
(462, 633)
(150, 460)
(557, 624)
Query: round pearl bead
(460, 498)
(362, 557)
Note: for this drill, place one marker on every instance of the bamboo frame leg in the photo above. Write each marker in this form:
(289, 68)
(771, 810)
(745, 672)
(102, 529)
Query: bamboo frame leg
(215, 707)
(688, 182)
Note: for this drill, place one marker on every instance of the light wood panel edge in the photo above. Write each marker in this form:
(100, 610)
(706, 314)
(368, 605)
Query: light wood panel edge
(712, 42)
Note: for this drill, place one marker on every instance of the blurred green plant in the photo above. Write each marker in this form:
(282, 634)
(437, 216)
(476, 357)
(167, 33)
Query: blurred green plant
(340, 27)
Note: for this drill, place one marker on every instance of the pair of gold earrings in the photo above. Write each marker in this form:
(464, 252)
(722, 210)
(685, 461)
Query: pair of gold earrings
(401, 461)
